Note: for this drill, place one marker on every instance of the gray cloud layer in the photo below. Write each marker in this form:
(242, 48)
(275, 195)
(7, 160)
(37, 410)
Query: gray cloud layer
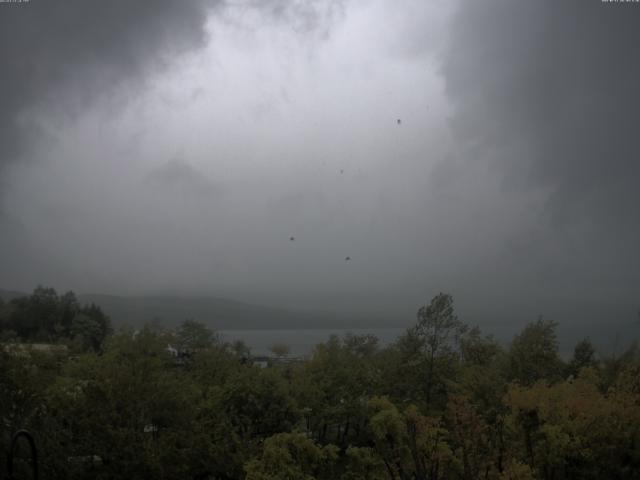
(62, 55)
(550, 90)
(510, 180)
(545, 94)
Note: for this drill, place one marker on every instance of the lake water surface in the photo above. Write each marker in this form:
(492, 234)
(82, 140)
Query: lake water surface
(302, 342)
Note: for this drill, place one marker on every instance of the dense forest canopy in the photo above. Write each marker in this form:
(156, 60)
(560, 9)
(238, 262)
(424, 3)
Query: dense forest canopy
(45, 316)
(444, 401)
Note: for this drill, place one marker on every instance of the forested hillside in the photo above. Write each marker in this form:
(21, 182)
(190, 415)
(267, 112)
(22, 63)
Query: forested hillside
(443, 402)
(217, 313)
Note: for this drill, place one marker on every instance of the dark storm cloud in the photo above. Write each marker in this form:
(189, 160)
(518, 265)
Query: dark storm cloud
(62, 55)
(549, 91)
(545, 95)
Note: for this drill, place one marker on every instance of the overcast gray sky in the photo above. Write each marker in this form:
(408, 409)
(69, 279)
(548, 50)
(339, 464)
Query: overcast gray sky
(487, 148)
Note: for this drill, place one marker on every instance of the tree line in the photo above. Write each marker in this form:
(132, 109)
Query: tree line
(444, 401)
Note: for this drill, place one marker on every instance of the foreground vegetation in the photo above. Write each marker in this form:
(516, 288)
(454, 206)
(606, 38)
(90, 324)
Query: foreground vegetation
(443, 402)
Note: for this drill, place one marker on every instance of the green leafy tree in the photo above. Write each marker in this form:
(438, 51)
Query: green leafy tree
(292, 456)
(534, 353)
(484, 373)
(335, 385)
(130, 408)
(46, 317)
(280, 350)
(192, 336)
(573, 430)
(476, 349)
(442, 402)
(258, 403)
(411, 445)
(584, 356)
(34, 317)
(440, 330)
(240, 349)
(401, 368)
(68, 308)
(363, 463)
(470, 438)
(102, 321)
(86, 333)
(388, 429)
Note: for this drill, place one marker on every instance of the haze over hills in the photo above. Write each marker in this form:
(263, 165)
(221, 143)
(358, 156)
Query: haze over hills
(320, 164)
(229, 314)
(8, 295)
(218, 313)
